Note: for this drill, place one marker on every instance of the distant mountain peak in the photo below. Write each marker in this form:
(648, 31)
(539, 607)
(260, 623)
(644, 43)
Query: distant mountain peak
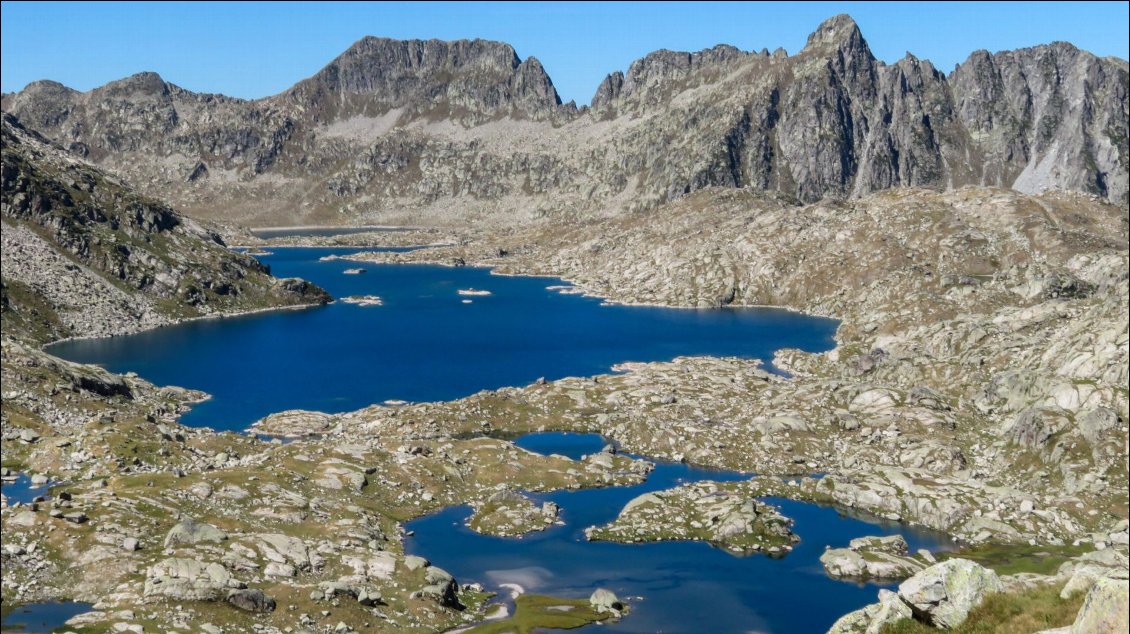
(146, 82)
(839, 32)
(48, 85)
(481, 77)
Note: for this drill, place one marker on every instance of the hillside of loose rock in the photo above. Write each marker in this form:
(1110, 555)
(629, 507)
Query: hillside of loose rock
(84, 255)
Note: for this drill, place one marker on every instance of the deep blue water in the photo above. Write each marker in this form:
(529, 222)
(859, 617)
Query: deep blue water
(671, 586)
(42, 617)
(569, 444)
(425, 343)
(22, 490)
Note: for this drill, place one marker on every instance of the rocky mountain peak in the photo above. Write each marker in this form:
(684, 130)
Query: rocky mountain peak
(532, 85)
(46, 87)
(363, 66)
(656, 76)
(608, 90)
(838, 33)
(145, 83)
(479, 78)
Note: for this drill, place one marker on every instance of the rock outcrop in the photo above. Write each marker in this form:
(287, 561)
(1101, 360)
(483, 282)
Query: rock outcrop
(509, 514)
(874, 558)
(189, 532)
(604, 600)
(726, 516)
(942, 595)
(185, 579)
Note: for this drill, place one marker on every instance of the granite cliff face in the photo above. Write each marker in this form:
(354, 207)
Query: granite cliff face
(1049, 115)
(440, 132)
(83, 255)
(465, 80)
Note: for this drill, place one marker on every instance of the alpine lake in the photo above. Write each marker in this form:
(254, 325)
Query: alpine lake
(425, 340)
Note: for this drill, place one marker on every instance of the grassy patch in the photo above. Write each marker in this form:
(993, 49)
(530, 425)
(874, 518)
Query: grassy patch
(533, 611)
(1022, 612)
(1010, 559)
(28, 313)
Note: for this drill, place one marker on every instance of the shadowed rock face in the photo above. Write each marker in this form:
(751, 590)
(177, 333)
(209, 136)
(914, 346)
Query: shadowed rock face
(84, 255)
(437, 132)
(1049, 116)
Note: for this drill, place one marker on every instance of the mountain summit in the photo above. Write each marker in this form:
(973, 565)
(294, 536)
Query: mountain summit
(479, 78)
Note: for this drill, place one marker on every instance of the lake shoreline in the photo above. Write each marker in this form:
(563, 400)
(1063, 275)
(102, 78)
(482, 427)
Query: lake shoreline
(634, 342)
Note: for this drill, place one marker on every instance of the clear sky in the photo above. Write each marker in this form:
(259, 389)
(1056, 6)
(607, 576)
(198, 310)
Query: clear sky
(257, 49)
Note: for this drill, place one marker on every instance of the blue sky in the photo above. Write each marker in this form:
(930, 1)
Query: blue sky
(257, 49)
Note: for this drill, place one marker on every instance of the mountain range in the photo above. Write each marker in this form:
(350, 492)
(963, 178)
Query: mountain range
(433, 132)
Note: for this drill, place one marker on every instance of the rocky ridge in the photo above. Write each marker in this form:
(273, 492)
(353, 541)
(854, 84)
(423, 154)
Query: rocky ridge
(447, 132)
(941, 595)
(84, 255)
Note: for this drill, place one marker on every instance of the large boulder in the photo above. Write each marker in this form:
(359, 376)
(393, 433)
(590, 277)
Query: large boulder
(441, 587)
(1096, 424)
(415, 562)
(943, 594)
(603, 600)
(872, 618)
(1105, 609)
(251, 600)
(185, 579)
(190, 532)
(284, 549)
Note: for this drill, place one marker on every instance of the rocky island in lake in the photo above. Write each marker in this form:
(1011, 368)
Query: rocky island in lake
(808, 342)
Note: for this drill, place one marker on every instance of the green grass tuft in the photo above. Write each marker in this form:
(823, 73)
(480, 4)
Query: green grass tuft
(534, 611)
(1010, 559)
